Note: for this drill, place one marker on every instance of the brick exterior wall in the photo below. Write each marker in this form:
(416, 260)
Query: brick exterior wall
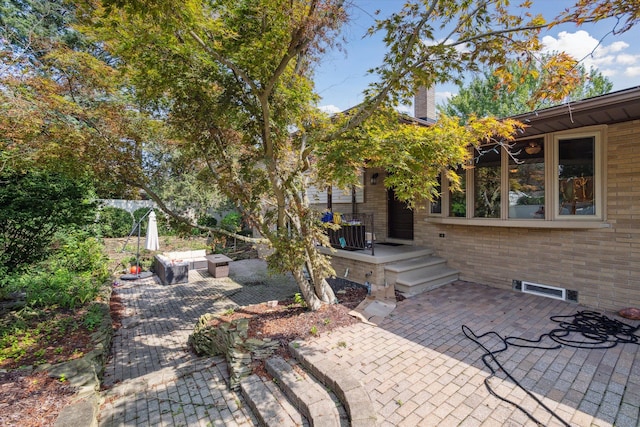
(603, 265)
(375, 202)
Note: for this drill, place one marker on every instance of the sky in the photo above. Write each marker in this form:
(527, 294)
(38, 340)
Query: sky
(341, 76)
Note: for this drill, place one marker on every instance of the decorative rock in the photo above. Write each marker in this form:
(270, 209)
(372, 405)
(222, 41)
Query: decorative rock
(231, 340)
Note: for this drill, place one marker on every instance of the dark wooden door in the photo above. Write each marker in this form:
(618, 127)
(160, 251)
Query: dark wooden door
(400, 218)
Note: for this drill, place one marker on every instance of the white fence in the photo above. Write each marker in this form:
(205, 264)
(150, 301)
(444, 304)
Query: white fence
(128, 205)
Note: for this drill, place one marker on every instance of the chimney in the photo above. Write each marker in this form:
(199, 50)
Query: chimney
(424, 104)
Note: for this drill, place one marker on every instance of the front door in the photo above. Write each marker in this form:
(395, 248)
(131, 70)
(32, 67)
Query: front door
(400, 218)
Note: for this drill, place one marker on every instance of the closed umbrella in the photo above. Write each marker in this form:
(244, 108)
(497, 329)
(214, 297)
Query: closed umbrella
(153, 244)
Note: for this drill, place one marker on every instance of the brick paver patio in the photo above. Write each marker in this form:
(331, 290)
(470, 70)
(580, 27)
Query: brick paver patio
(421, 370)
(418, 366)
(154, 379)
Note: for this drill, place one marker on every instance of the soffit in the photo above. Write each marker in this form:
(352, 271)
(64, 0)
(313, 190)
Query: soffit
(607, 109)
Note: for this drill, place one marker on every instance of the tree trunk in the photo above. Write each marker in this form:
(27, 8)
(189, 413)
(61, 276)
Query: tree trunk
(313, 282)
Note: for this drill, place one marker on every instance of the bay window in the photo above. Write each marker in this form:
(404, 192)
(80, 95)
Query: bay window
(541, 181)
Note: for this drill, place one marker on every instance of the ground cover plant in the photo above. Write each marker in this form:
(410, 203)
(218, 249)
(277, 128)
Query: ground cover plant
(47, 316)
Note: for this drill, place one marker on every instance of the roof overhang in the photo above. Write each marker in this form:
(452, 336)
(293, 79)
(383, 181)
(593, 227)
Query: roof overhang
(615, 107)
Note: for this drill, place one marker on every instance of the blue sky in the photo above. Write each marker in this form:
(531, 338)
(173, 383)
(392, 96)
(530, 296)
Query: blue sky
(341, 77)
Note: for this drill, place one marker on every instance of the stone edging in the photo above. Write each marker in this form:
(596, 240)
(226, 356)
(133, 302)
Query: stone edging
(85, 373)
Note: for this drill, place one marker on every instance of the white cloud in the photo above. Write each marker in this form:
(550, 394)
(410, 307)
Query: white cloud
(617, 46)
(632, 71)
(608, 72)
(612, 60)
(579, 44)
(627, 59)
(330, 109)
(441, 97)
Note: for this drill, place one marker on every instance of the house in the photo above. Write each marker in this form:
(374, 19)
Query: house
(560, 217)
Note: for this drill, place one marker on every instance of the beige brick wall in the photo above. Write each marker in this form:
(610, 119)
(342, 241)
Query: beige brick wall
(603, 265)
(375, 202)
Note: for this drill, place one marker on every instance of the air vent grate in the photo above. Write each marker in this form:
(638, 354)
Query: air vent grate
(544, 290)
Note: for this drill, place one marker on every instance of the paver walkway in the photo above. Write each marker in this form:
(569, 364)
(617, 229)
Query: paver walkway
(418, 366)
(421, 370)
(155, 380)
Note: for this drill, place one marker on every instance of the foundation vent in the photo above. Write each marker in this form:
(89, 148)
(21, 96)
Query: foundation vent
(544, 290)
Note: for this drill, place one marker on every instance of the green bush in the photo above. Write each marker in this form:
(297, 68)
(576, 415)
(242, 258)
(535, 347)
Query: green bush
(80, 253)
(167, 226)
(207, 221)
(69, 278)
(139, 213)
(231, 222)
(63, 288)
(34, 206)
(115, 222)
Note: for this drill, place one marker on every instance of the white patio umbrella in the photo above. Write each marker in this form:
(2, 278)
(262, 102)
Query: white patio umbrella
(153, 243)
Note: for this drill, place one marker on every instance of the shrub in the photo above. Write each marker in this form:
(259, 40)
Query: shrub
(115, 222)
(34, 206)
(231, 222)
(207, 221)
(61, 288)
(139, 213)
(80, 253)
(69, 278)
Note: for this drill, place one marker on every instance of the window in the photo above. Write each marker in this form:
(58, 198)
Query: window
(557, 177)
(458, 199)
(436, 205)
(486, 183)
(526, 180)
(576, 172)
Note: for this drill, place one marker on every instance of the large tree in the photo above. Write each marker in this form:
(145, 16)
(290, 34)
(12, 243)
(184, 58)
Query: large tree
(484, 95)
(233, 80)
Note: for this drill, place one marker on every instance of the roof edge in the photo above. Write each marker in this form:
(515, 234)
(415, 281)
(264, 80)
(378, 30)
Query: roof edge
(601, 101)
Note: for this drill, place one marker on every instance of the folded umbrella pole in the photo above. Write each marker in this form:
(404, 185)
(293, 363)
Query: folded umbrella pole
(152, 243)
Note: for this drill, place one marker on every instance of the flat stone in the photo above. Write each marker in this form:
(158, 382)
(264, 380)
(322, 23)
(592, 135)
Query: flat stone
(82, 413)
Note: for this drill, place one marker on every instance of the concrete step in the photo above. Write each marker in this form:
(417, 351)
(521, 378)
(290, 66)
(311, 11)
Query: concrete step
(270, 406)
(416, 281)
(392, 272)
(352, 394)
(306, 394)
(414, 264)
